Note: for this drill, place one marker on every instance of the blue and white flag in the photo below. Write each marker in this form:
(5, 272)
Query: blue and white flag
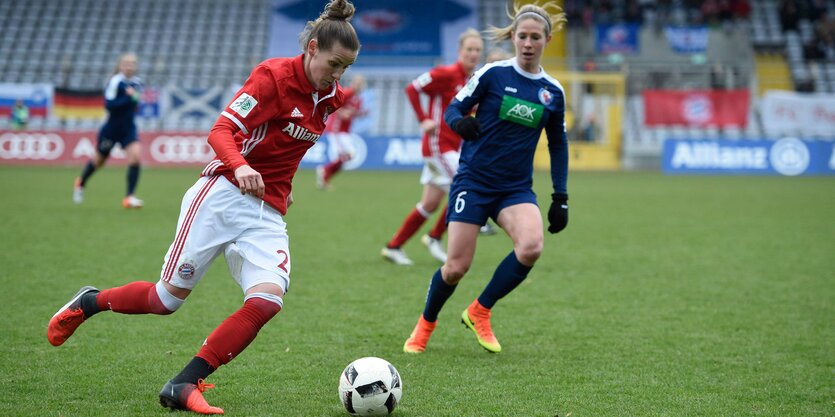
(687, 40)
(620, 38)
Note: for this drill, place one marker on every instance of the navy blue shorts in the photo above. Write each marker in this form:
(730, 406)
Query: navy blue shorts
(105, 144)
(468, 206)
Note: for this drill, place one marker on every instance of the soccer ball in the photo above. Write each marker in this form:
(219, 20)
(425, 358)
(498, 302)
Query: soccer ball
(370, 387)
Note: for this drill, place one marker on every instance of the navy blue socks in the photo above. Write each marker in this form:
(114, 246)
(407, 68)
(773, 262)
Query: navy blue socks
(133, 178)
(508, 275)
(439, 292)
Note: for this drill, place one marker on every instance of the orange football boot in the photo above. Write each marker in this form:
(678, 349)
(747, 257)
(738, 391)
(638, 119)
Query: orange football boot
(416, 343)
(187, 396)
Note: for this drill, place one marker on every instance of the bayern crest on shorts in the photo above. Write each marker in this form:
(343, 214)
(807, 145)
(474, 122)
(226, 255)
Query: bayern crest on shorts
(545, 96)
(186, 270)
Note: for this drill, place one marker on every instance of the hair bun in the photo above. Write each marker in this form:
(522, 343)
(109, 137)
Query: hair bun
(339, 10)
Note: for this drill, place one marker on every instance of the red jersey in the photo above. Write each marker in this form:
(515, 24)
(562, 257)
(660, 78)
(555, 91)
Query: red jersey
(350, 110)
(273, 120)
(441, 84)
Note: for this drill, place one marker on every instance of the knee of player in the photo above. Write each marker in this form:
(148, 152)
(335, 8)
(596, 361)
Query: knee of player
(455, 271)
(428, 206)
(528, 251)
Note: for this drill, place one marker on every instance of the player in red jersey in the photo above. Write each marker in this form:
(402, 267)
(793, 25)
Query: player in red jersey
(339, 133)
(440, 146)
(260, 138)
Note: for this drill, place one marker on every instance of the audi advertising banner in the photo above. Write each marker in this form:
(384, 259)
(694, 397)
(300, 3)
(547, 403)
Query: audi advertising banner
(787, 156)
(179, 149)
(75, 148)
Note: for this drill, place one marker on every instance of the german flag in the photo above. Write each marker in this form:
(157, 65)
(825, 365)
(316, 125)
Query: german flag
(78, 104)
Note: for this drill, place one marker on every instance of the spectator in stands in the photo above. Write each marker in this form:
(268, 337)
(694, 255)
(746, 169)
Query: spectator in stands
(710, 12)
(789, 15)
(121, 99)
(741, 9)
(20, 115)
(633, 12)
(440, 147)
(339, 132)
(822, 44)
(817, 10)
(237, 206)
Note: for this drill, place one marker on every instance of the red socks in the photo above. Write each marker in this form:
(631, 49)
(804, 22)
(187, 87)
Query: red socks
(440, 226)
(138, 297)
(237, 331)
(332, 168)
(412, 223)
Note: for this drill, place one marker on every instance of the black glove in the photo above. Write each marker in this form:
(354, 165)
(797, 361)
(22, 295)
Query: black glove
(468, 128)
(558, 213)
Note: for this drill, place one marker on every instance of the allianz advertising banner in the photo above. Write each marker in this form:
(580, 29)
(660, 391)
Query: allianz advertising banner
(787, 156)
(374, 153)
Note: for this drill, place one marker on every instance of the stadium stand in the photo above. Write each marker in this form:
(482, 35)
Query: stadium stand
(75, 43)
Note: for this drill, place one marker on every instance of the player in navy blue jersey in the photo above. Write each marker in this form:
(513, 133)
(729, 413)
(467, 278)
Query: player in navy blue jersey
(516, 100)
(121, 99)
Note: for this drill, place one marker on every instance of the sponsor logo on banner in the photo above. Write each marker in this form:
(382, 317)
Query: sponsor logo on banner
(31, 146)
(713, 155)
(403, 152)
(181, 149)
(60, 148)
(787, 156)
(375, 153)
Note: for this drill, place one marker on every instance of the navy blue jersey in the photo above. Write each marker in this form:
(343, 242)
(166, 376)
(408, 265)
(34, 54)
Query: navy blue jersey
(513, 108)
(121, 107)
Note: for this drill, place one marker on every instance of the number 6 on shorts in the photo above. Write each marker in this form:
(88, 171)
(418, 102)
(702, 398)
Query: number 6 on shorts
(459, 202)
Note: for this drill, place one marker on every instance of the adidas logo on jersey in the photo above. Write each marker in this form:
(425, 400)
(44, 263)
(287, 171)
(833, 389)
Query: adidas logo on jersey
(296, 113)
(300, 132)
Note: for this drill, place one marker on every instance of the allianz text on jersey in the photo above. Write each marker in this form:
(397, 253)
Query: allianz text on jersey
(786, 156)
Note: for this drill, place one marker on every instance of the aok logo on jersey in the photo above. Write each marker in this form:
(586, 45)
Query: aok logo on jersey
(521, 111)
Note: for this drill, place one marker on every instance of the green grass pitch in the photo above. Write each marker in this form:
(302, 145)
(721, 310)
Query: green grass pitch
(666, 296)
